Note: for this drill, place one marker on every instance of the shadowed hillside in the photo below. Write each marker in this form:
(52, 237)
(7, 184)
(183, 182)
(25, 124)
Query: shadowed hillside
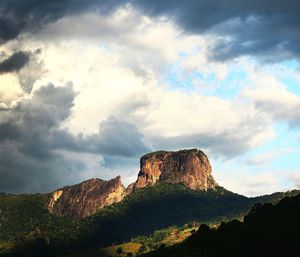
(268, 230)
(27, 227)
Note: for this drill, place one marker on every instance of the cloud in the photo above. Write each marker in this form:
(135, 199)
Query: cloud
(226, 144)
(31, 123)
(118, 138)
(31, 140)
(125, 101)
(31, 72)
(294, 179)
(27, 17)
(274, 99)
(225, 19)
(251, 28)
(247, 181)
(120, 100)
(15, 62)
(28, 163)
(266, 158)
(26, 65)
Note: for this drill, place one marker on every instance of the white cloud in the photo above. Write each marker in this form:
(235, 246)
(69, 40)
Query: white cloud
(273, 98)
(102, 63)
(117, 65)
(266, 158)
(294, 179)
(249, 182)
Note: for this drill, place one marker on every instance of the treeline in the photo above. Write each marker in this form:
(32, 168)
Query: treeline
(268, 230)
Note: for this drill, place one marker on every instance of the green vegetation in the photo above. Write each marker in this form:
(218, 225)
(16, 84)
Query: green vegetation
(165, 237)
(25, 227)
(23, 214)
(268, 230)
(143, 244)
(123, 250)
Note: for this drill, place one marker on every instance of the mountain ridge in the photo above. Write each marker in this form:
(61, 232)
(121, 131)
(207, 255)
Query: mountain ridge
(190, 167)
(29, 228)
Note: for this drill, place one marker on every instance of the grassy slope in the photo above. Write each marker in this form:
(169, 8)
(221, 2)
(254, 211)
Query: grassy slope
(143, 244)
(268, 230)
(23, 218)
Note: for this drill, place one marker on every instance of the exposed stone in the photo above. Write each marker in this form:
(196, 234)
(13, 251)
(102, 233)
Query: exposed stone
(189, 167)
(55, 196)
(84, 199)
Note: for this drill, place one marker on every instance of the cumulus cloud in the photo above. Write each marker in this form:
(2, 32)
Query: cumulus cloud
(27, 161)
(31, 72)
(273, 98)
(31, 139)
(242, 27)
(25, 17)
(168, 119)
(248, 181)
(226, 19)
(128, 101)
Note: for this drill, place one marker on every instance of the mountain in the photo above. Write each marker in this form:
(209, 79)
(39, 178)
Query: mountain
(189, 167)
(268, 230)
(84, 199)
(28, 229)
(172, 188)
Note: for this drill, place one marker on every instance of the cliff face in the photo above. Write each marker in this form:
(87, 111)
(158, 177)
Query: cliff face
(84, 199)
(189, 167)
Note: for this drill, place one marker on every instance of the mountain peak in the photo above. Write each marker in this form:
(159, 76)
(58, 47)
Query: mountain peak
(85, 198)
(190, 167)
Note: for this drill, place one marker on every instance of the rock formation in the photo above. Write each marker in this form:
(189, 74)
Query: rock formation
(84, 199)
(189, 167)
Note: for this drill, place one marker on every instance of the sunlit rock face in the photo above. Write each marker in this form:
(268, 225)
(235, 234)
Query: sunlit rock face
(188, 167)
(84, 199)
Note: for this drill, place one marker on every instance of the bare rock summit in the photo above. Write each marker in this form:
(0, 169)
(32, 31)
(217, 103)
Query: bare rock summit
(189, 167)
(84, 199)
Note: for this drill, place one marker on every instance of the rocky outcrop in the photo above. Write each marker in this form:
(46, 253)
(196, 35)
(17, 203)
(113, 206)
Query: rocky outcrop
(189, 167)
(84, 199)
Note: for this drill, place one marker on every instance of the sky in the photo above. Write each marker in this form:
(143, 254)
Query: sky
(88, 87)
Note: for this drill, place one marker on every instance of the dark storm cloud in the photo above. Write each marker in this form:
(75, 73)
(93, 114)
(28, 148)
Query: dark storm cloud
(254, 27)
(117, 138)
(269, 29)
(31, 141)
(26, 65)
(33, 122)
(17, 17)
(15, 62)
